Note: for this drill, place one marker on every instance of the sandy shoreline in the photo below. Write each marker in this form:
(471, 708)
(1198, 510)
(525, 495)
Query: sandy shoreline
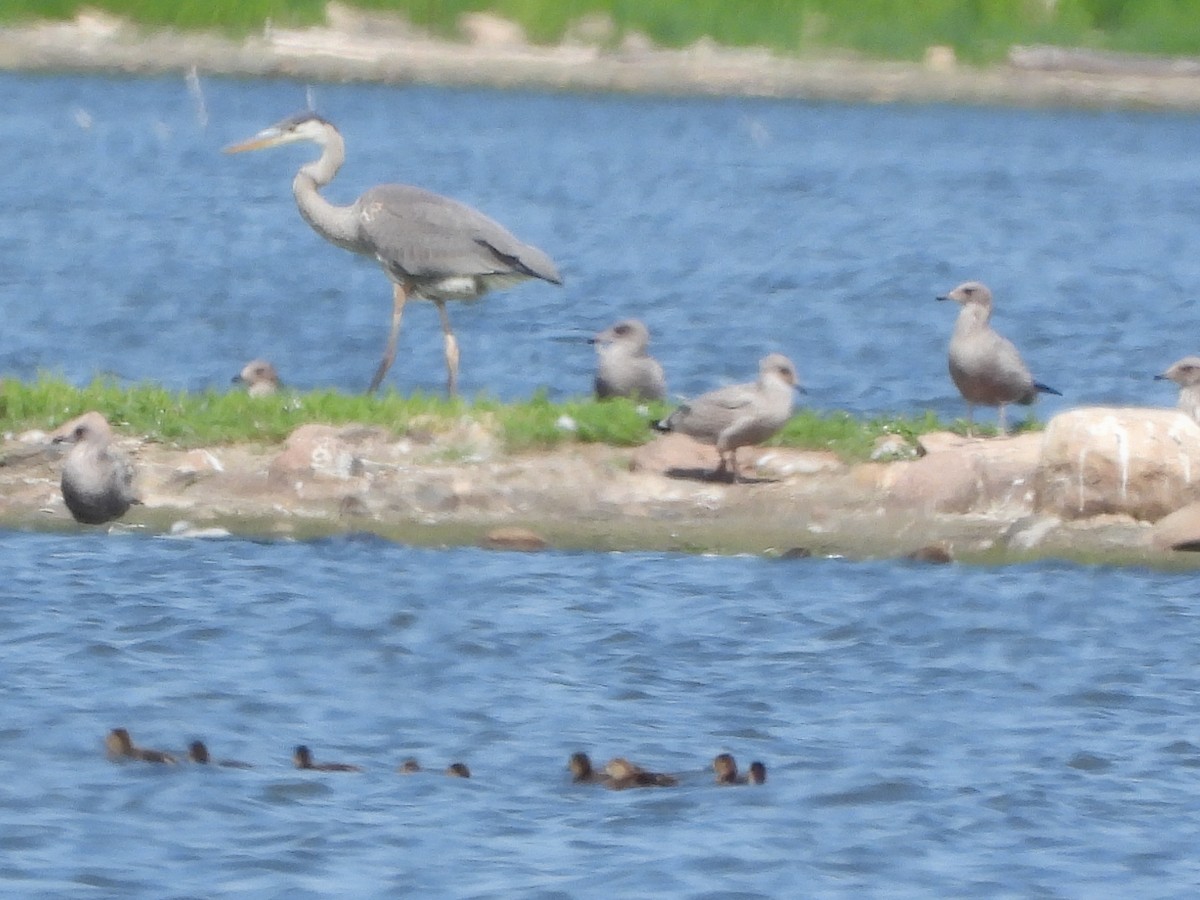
(363, 47)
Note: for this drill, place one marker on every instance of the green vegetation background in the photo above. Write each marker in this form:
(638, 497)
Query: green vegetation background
(979, 30)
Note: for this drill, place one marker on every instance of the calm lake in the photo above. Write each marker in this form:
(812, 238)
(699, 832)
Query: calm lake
(1028, 731)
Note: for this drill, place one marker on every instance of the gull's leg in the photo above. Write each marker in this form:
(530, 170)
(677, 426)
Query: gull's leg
(399, 298)
(451, 343)
(1003, 423)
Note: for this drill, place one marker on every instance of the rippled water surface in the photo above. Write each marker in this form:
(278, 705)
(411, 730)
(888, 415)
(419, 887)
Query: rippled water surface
(131, 245)
(929, 731)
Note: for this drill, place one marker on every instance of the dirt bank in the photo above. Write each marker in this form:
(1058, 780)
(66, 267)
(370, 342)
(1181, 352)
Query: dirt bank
(458, 490)
(364, 47)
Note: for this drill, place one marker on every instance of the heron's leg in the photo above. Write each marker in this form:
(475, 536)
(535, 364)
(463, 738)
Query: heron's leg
(451, 343)
(399, 298)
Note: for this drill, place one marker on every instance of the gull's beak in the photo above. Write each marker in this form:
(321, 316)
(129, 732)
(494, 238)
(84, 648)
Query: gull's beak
(943, 297)
(268, 137)
(1162, 377)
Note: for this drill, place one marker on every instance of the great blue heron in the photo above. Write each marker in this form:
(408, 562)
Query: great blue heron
(431, 247)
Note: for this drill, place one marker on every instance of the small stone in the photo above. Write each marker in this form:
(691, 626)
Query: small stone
(932, 553)
(514, 538)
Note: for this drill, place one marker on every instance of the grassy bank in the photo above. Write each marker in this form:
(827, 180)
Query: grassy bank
(979, 30)
(210, 418)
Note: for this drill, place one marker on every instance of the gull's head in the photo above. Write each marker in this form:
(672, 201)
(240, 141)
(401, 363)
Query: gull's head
(970, 292)
(305, 126)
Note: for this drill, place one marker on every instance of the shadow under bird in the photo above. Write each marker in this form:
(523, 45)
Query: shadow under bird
(259, 377)
(431, 247)
(624, 368)
(1186, 374)
(986, 367)
(97, 478)
(739, 415)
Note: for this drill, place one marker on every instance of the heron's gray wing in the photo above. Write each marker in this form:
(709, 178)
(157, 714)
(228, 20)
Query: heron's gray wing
(425, 235)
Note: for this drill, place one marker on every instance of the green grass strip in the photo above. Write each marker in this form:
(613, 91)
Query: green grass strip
(210, 418)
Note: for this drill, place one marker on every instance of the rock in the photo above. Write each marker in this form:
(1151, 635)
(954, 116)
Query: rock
(965, 475)
(1141, 462)
(514, 538)
(940, 58)
(315, 451)
(674, 453)
(593, 30)
(1030, 532)
(482, 29)
(932, 553)
(892, 446)
(1178, 531)
(782, 462)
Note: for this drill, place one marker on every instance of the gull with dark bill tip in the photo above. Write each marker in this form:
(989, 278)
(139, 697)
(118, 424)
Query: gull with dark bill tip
(1186, 374)
(740, 415)
(97, 478)
(624, 368)
(431, 247)
(259, 377)
(985, 366)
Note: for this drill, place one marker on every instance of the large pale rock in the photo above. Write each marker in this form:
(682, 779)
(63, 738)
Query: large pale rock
(316, 451)
(962, 475)
(1178, 531)
(1141, 462)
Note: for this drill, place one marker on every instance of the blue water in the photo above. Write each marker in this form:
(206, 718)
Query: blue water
(929, 731)
(133, 246)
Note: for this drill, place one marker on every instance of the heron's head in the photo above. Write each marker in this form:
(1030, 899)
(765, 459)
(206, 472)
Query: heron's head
(305, 126)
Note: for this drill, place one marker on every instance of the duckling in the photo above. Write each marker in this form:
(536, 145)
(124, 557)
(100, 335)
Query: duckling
(458, 770)
(409, 766)
(580, 765)
(624, 774)
(119, 743)
(302, 759)
(198, 753)
(727, 772)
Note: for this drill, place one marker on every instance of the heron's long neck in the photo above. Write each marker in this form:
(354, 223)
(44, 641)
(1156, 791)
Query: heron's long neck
(337, 224)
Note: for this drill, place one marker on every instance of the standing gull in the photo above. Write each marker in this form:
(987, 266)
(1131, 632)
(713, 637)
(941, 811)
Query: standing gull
(1186, 374)
(986, 367)
(97, 479)
(623, 367)
(431, 247)
(259, 377)
(739, 415)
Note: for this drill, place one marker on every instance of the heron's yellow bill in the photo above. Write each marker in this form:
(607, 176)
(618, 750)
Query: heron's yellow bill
(263, 139)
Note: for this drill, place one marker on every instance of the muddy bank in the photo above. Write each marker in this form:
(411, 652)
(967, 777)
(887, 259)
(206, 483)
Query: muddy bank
(358, 46)
(980, 505)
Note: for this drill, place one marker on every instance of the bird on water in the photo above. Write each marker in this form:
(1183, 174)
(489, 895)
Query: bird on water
(97, 478)
(739, 415)
(431, 247)
(985, 366)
